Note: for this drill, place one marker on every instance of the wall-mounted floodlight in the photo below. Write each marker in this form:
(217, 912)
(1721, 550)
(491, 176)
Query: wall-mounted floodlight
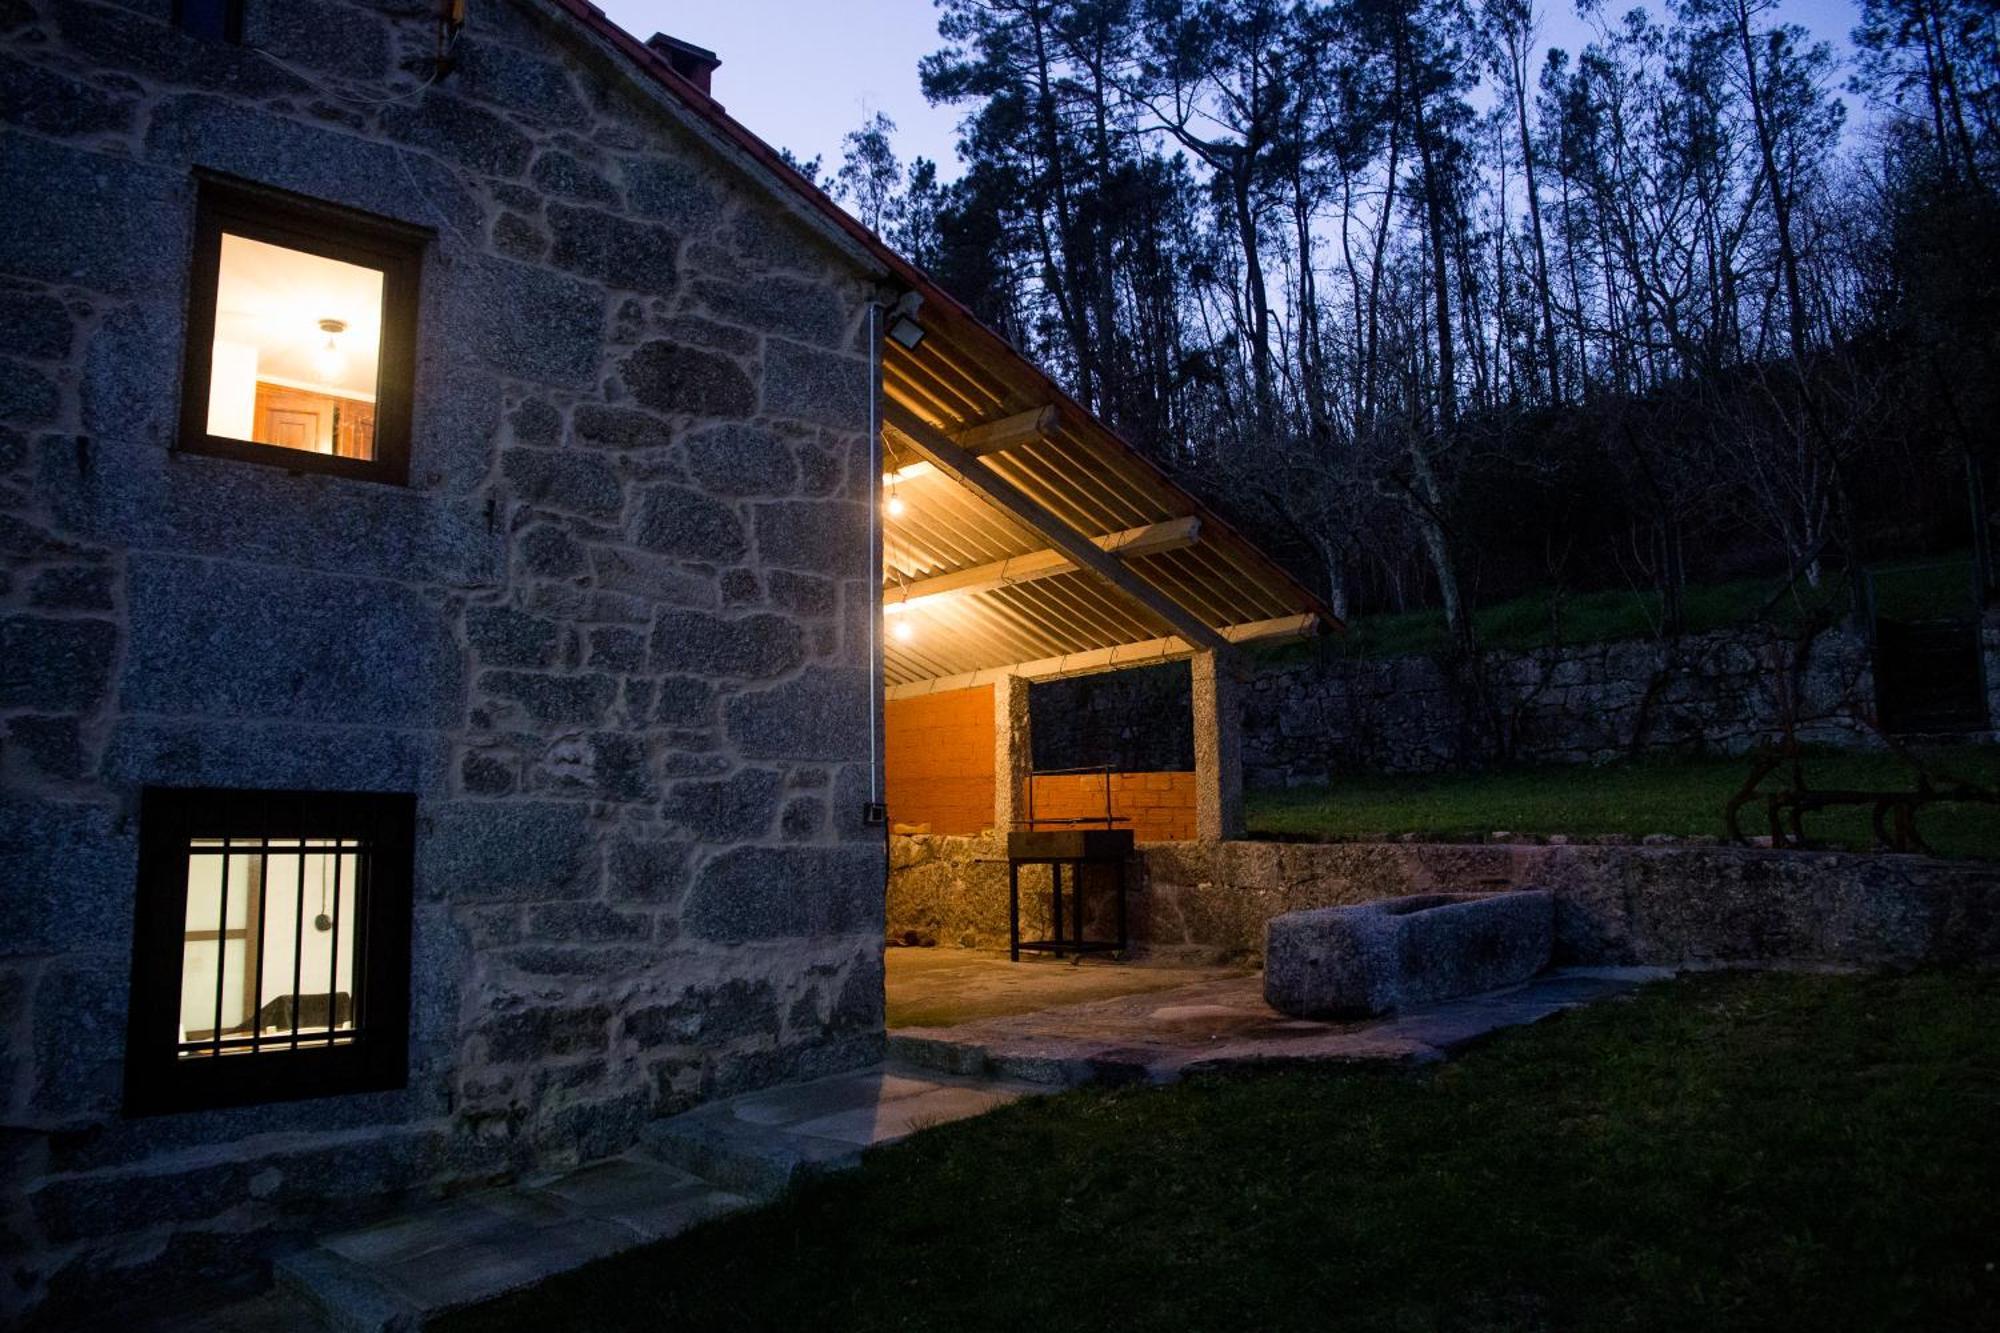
(903, 326)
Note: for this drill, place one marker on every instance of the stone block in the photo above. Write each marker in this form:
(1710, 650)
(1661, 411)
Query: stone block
(27, 396)
(33, 326)
(116, 38)
(536, 1032)
(1339, 962)
(521, 83)
(549, 698)
(646, 870)
(502, 636)
(340, 39)
(548, 551)
(753, 647)
(590, 923)
(531, 322)
(668, 377)
(219, 753)
(230, 640)
(561, 479)
(706, 1015)
(613, 250)
(673, 191)
(821, 715)
(771, 893)
(515, 850)
(685, 701)
(682, 522)
(600, 427)
(570, 177)
(817, 536)
(307, 159)
(36, 97)
(812, 384)
(808, 311)
(738, 459)
(67, 871)
(458, 131)
(55, 665)
(739, 809)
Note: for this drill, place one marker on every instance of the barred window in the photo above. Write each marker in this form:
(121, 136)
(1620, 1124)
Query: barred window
(272, 955)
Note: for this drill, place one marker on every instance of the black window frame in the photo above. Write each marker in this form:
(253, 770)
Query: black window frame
(157, 1079)
(278, 217)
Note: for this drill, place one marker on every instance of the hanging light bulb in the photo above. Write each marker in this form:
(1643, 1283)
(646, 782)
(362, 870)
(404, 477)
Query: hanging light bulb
(901, 630)
(895, 508)
(328, 361)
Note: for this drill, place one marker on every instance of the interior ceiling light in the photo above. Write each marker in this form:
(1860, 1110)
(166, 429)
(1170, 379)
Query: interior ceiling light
(902, 630)
(328, 361)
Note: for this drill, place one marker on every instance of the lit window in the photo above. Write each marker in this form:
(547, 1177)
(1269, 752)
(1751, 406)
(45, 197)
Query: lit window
(273, 946)
(301, 334)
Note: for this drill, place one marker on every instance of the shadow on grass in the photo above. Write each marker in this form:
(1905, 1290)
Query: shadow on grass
(1739, 1150)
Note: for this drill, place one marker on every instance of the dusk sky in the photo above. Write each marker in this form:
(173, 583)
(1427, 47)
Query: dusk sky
(802, 73)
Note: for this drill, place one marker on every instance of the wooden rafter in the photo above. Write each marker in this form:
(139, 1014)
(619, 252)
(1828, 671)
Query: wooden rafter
(1149, 653)
(990, 437)
(1150, 539)
(955, 461)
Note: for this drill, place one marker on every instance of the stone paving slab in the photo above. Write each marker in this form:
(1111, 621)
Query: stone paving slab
(404, 1272)
(761, 1142)
(1165, 1035)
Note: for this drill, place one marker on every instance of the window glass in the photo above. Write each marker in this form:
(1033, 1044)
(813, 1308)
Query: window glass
(267, 951)
(297, 352)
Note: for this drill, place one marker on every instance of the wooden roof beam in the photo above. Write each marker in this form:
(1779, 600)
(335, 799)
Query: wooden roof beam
(1149, 653)
(991, 437)
(1171, 535)
(954, 460)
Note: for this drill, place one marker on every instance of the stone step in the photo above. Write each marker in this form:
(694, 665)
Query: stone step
(763, 1142)
(404, 1273)
(1050, 1067)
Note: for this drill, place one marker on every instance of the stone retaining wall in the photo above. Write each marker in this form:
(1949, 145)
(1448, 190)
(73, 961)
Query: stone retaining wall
(1305, 721)
(1724, 692)
(1614, 904)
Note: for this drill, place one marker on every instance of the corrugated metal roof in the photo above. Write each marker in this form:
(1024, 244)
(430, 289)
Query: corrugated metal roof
(1085, 478)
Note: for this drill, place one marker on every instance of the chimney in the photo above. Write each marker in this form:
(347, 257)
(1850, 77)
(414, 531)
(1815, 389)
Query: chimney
(691, 62)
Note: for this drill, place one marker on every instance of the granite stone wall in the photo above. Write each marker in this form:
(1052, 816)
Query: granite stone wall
(613, 633)
(1725, 692)
(1666, 905)
(1663, 905)
(1310, 720)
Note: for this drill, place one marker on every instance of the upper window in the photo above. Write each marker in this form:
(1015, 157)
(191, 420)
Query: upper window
(272, 954)
(301, 334)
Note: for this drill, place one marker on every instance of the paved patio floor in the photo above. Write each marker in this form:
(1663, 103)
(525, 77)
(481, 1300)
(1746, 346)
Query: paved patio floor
(943, 987)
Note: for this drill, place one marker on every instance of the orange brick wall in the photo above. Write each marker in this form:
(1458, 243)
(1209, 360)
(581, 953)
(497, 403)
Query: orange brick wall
(1159, 806)
(938, 760)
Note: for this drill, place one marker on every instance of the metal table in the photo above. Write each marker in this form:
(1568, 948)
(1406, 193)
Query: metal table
(1075, 848)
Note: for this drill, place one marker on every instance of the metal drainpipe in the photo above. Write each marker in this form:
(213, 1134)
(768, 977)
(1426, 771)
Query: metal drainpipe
(877, 797)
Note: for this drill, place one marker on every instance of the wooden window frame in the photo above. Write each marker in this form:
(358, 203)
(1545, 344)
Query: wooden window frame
(157, 1078)
(395, 249)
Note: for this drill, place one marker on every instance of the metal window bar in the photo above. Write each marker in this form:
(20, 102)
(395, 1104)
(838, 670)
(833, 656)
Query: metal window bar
(253, 1034)
(221, 947)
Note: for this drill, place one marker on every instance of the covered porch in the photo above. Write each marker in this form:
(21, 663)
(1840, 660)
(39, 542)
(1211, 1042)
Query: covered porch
(1024, 542)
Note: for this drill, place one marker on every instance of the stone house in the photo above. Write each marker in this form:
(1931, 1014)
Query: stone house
(441, 683)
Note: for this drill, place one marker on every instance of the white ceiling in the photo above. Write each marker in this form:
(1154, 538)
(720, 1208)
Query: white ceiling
(274, 299)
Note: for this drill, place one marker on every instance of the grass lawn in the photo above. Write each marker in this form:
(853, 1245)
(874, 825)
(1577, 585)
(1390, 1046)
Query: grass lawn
(1682, 797)
(1913, 590)
(1723, 1151)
